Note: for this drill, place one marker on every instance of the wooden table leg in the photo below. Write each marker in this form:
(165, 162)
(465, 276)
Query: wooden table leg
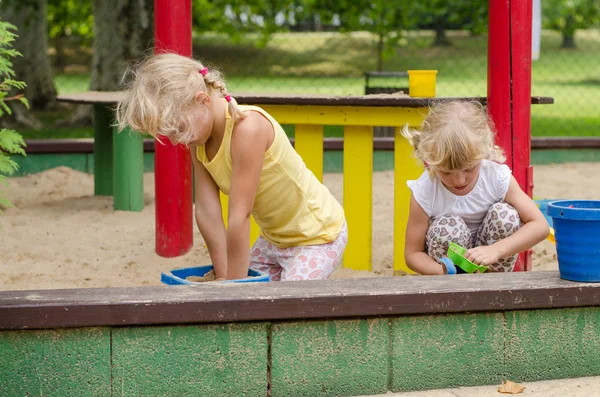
(103, 151)
(128, 152)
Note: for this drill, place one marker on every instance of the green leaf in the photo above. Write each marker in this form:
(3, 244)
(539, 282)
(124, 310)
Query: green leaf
(25, 102)
(12, 142)
(5, 107)
(7, 165)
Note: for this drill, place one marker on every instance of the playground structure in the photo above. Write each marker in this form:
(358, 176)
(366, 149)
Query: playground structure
(508, 101)
(358, 116)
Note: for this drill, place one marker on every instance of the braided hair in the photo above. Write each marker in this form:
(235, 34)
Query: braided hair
(160, 96)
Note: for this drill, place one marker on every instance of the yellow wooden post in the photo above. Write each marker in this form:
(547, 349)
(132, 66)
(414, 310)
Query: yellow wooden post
(422, 84)
(254, 228)
(405, 168)
(358, 195)
(309, 145)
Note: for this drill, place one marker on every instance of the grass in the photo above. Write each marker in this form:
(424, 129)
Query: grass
(333, 64)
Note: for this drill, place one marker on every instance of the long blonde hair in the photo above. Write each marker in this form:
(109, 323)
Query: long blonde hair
(161, 96)
(454, 136)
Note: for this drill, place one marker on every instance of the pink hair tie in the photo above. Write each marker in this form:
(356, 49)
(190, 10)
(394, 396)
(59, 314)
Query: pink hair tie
(204, 71)
(228, 98)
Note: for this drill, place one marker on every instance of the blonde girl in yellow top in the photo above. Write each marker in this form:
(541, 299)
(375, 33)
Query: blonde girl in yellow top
(243, 152)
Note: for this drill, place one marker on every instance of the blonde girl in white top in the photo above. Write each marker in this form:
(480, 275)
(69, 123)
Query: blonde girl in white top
(466, 195)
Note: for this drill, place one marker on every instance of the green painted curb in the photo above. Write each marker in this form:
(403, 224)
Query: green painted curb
(345, 357)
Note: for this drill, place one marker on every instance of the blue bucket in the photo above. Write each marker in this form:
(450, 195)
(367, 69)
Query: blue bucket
(577, 231)
(178, 276)
(543, 204)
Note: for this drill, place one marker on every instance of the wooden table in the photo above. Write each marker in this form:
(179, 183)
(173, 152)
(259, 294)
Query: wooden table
(118, 157)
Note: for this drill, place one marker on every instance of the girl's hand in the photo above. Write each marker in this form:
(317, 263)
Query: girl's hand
(483, 255)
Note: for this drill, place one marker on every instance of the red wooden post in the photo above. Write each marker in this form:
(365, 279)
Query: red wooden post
(499, 73)
(172, 164)
(520, 27)
(509, 88)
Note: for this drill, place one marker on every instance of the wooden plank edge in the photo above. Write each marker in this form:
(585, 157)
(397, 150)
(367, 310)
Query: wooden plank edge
(379, 143)
(325, 299)
(112, 97)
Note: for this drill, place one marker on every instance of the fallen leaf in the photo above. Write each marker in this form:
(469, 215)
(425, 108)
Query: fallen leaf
(511, 388)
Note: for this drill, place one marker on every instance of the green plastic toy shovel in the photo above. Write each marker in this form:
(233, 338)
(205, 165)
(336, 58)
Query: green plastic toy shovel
(456, 254)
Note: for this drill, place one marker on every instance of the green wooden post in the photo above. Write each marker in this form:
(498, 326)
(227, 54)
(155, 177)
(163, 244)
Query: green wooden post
(103, 151)
(128, 170)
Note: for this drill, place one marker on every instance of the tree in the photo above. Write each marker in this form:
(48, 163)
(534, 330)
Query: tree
(442, 15)
(34, 66)
(11, 142)
(69, 22)
(568, 16)
(239, 17)
(387, 20)
(123, 32)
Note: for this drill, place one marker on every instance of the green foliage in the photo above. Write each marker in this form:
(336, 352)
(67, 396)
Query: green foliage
(387, 20)
(470, 15)
(566, 16)
(237, 18)
(11, 142)
(70, 18)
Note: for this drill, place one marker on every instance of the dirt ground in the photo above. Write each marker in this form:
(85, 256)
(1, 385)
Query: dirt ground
(61, 236)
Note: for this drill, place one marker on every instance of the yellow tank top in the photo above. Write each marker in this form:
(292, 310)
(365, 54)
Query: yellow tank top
(291, 206)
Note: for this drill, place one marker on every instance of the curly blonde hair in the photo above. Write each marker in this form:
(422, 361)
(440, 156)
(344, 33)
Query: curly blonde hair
(454, 136)
(161, 96)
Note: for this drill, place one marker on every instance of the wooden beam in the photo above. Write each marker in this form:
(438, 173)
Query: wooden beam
(111, 98)
(35, 146)
(359, 297)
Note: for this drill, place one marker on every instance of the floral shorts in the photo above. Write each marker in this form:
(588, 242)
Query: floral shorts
(309, 262)
(501, 221)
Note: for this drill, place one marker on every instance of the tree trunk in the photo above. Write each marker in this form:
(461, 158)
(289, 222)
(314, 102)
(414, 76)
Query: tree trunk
(440, 37)
(34, 66)
(568, 33)
(568, 40)
(123, 32)
(380, 53)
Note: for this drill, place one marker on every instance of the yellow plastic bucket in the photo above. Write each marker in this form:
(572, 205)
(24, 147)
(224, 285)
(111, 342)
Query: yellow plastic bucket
(421, 83)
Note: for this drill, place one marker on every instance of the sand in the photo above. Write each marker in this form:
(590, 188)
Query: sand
(61, 236)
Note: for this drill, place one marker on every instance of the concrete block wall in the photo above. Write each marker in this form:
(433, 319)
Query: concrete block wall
(342, 357)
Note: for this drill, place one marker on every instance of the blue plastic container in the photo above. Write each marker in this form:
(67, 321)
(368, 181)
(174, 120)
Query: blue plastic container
(178, 276)
(577, 231)
(543, 207)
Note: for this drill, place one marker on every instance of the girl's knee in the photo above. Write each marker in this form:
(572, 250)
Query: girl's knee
(300, 272)
(314, 262)
(446, 228)
(501, 221)
(504, 265)
(504, 212)
(443, 230)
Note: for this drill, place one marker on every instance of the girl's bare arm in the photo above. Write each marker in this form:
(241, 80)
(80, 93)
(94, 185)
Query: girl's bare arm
(414, 249)
(209, 217)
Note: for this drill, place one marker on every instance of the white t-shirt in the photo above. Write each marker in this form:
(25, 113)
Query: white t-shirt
(436, 200)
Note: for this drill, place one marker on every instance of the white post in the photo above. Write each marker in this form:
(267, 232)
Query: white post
(536, 27)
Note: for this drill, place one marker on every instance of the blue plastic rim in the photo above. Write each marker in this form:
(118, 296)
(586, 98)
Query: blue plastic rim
(577, 230)
(178, 276)
(543, 207)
